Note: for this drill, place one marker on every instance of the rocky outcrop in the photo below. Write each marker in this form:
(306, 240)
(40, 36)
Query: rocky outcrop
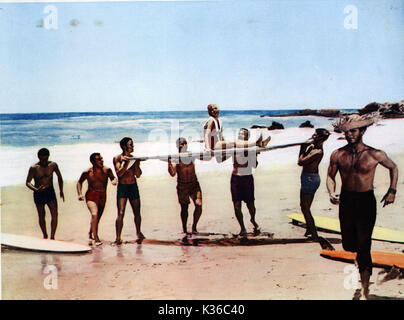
(306, 124)
(329, 113)
(274, 126)
(386, 110)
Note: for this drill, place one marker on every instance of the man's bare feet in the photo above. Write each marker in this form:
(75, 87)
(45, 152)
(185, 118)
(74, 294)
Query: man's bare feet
(140, 238)
(257, 230)
(265, 142)
(118, 242)
(243, 233)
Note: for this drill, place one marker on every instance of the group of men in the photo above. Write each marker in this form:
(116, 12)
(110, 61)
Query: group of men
(356, 163)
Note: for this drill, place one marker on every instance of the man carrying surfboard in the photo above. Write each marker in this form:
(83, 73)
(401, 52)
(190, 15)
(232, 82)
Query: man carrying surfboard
(310, 156)
(96, 195)
(187, 185)
(242, 182)
(356, 163)
(213, 134)
(44, 193)
(127, 188)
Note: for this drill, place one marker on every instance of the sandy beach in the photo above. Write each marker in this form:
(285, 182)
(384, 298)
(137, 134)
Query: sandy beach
(161, 268)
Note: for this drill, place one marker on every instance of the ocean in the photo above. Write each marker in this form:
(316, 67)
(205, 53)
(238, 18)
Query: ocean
(72, 137)
(51, 129)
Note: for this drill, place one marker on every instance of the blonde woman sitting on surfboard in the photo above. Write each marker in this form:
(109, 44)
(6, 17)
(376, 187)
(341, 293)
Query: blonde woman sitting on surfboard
(213, 134)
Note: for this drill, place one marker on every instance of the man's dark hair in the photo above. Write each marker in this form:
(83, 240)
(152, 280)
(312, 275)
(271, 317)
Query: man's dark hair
(124, 142)
(179, 139)
(321, 132)
(245, 129)
(43, 152)
(93, 155)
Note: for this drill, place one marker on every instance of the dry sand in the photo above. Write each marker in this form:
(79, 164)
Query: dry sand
(160, 268)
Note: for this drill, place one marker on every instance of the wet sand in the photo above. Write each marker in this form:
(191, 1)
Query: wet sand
(286, 267)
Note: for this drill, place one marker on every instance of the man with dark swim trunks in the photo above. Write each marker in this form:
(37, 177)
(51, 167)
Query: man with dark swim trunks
(310, 156)
(127, 188)
(96, 195)
(242, 182)
(187, 185)
(44, 193)
(356, 163)
(213, 134)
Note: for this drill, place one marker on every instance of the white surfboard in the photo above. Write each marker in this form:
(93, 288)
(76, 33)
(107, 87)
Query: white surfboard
(206, 154)
(36, 244)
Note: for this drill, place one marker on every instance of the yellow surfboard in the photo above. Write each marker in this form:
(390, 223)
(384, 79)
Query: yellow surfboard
(332, 224)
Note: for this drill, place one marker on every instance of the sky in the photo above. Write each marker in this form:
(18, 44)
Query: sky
(183, 55)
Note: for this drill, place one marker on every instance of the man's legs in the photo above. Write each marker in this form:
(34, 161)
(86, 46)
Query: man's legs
(53, 207)
(184, 216)
(239, 216)
(41, 219)
(306, 199)
(197, 211)
(93, 208)
(135, 204)
(222, 144)
(121, 204)
(251, 209)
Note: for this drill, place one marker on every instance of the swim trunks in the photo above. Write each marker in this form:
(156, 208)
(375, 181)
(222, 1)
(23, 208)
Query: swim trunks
(99, 197)
(242, 188)
(45, 196)
(357, 216)
(309, 182)
(187, 190)
(130, 191)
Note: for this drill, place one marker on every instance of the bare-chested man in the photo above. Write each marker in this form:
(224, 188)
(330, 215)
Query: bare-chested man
(127, 188)
(356, 163)
(310, 156)
(213, 134)
(242, 182)
(44, 193)
(187, 185)
(96, 195)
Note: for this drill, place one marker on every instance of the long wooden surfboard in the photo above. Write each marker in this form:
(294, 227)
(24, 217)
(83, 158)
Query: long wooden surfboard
(207, 154)
(379, 258)
(46, 245)
(332, 224)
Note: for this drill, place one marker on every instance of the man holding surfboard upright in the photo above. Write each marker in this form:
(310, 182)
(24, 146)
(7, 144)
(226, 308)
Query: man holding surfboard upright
(127, 188)
(44, 193)
(213, 134)
(96, 195)
(356, 163)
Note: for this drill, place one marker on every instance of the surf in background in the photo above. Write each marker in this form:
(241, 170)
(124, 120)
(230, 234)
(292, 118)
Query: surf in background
(72, 137)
